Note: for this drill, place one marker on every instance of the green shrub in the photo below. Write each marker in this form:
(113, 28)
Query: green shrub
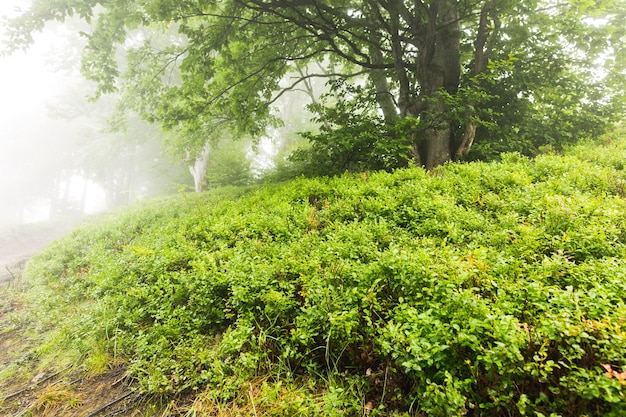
(478, 289)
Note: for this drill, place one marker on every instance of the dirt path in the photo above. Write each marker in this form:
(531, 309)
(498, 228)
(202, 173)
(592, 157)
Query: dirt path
(28, 388)
(17, 249)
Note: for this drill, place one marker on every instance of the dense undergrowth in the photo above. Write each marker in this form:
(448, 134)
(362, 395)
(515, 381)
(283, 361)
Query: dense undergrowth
(477, 289)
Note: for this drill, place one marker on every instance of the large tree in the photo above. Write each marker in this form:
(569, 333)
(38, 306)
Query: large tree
(225, 60)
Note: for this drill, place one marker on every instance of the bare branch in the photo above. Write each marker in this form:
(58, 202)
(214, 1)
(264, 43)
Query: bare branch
(305, 77)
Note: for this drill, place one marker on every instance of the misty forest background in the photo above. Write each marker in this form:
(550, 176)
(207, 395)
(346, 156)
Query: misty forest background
(205, 94)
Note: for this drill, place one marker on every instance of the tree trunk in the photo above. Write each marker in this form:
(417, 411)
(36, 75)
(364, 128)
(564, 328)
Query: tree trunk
(199, 168)
(384, 97)
(437, 148)
(467, 140)
(439, 68)
(481, 58)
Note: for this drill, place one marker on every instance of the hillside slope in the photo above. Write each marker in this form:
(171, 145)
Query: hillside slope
(477, 289)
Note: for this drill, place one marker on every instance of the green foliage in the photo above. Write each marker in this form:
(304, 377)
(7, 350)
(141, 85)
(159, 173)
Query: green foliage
(360, 145)
(484, 289)
(352, 137)
(555, 114)
(199, 67)
(229, 164)
(558, 89)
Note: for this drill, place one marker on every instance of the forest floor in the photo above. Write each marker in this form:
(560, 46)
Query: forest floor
(30, 387)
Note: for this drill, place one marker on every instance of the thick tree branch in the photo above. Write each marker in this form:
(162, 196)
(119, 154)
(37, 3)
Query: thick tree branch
(320, 25)
(481, 58)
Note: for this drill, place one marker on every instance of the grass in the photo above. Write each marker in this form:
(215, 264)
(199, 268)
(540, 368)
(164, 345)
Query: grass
(54, 397)
(490, 289)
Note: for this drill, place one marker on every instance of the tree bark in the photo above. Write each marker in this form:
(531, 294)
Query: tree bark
(439, 68)
(384, 97)
(467, 139)
(481, 59)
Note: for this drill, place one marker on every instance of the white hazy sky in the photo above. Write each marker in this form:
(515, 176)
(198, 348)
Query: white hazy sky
(26, 81)
(29, 85)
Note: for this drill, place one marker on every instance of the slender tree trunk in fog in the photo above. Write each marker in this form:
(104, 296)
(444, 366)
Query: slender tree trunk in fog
(83, 197)
(199, 168)
(384, 98)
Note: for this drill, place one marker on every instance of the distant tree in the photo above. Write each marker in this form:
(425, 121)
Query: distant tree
(432, 61)
(230, 164)
(115, 149)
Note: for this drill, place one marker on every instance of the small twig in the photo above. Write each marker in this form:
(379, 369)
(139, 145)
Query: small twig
(252, 400)
(382, 397)
(109, 404)
(120, 380)
(33, 386)
(49, 377)
(15, 394)
(77, 380)
(10, 272)
(23, 412)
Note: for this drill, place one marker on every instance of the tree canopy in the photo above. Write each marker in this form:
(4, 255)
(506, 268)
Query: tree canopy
(451, 68)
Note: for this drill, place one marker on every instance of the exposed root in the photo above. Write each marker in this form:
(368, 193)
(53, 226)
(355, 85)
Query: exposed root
(110, 404)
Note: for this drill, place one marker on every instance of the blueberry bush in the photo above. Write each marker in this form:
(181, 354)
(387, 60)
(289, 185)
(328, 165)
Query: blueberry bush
(482, 289)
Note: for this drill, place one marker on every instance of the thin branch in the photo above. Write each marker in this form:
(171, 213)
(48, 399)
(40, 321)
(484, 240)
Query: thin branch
(329, 30)
(309, 76)
(33, 386)
(230, 17)
(10, 272)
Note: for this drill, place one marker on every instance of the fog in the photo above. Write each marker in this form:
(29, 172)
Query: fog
(57, 159)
